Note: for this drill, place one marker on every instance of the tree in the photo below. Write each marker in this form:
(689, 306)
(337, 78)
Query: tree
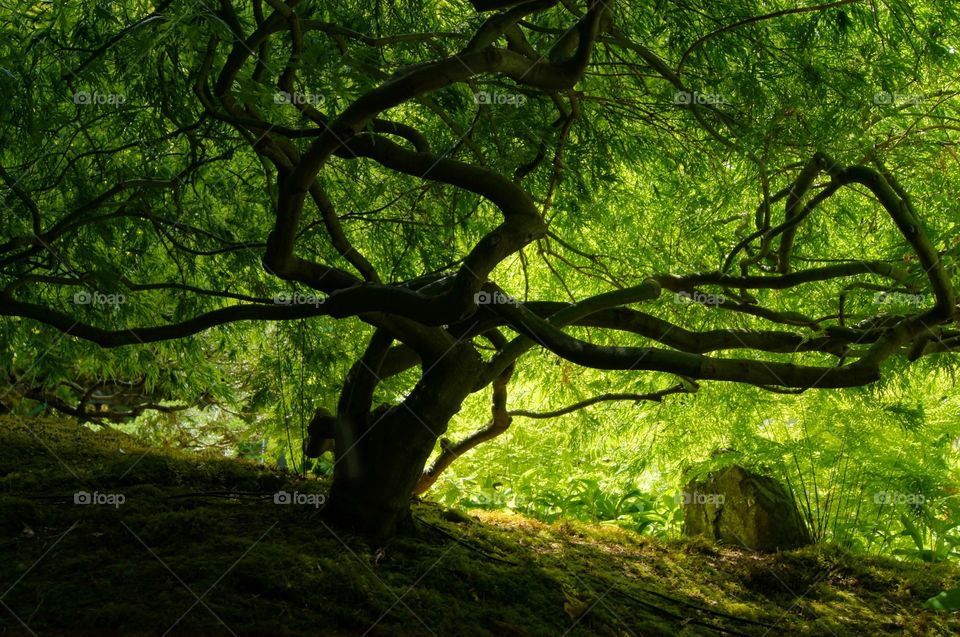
(400, 168)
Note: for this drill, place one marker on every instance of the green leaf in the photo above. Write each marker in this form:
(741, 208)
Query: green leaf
(947, 601)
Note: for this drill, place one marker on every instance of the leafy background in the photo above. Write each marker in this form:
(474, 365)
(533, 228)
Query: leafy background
(646, 188)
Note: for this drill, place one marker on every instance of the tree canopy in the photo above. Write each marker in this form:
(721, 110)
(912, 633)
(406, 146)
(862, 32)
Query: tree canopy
(399, 206)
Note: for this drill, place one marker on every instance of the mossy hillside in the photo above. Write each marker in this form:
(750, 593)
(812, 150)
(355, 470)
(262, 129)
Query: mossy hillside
(43, 454)
(205, 526)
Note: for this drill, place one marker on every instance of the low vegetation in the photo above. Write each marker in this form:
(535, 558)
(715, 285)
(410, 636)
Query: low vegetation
(199, 547)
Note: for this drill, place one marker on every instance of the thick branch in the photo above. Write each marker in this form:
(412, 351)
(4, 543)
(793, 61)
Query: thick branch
(755, 372)
(498, 424)
(142, 335)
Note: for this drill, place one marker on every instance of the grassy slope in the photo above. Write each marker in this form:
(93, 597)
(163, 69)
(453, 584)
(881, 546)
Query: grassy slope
(264, 569)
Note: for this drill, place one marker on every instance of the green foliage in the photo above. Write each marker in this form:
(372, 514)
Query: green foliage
(556, 498)
(645, 188)
(948, 600)
(869, 470)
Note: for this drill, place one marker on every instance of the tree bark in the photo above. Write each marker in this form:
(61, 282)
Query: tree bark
(381, 458)
(376, 473)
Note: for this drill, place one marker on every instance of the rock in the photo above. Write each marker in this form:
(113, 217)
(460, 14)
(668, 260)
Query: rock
(737, 507)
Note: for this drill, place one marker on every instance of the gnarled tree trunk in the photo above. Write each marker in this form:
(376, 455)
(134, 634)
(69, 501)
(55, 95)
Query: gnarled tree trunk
(375, 475)
(380, 453)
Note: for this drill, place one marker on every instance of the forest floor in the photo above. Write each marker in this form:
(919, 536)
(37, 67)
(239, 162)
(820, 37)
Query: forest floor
(197, 546)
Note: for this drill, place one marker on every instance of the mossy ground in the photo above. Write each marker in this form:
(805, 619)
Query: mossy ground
(199, 548)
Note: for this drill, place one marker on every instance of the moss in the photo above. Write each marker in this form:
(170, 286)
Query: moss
(16, 514)
(149, 468)
(195, 525)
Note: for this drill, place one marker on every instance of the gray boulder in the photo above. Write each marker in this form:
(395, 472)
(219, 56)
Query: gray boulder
(737, 507)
